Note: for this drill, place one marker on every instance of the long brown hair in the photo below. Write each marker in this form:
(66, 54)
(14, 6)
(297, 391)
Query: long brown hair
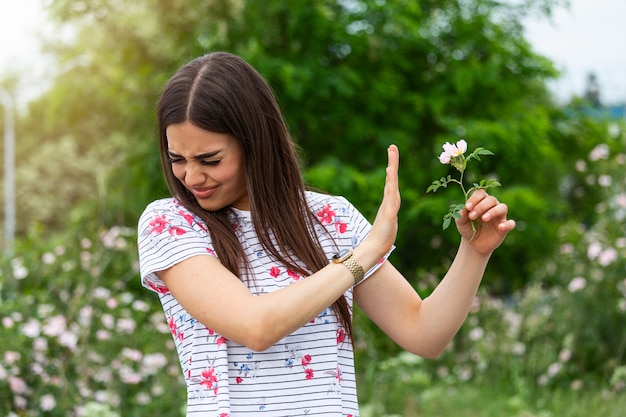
(222, 93)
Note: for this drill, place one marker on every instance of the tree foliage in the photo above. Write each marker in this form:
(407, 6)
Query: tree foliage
(352, 76)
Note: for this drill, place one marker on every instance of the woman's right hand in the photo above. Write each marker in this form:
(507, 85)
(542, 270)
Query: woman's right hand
(385, 226)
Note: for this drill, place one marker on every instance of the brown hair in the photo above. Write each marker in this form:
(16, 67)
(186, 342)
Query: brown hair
(222, 93)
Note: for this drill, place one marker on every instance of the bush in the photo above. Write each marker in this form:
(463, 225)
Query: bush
(564, 331)
(78, 339)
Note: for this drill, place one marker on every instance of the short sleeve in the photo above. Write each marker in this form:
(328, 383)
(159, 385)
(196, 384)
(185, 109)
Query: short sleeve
(168, 234)
(361, 227)
(348, 225)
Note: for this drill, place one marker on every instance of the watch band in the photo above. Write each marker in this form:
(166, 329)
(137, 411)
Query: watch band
(345, 257)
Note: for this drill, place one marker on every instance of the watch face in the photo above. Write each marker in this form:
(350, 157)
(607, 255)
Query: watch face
(339, 256)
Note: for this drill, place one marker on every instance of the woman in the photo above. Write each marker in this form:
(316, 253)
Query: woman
(257, 276)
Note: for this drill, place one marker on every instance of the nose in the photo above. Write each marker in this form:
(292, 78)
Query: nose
(194, 176)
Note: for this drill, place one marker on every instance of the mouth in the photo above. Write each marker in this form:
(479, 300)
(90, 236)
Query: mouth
(202, 193)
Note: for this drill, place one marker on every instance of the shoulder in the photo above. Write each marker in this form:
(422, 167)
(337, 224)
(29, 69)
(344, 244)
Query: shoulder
(320, 201)
(167, 213)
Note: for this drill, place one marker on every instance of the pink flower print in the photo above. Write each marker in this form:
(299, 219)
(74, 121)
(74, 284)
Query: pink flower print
(185, 215)
(158, 288)
(309, 373)
(326, 214)
(211, 331)
(274, 271)
(221, 340)
(176, 231)
(306, 360)
(158, 224)
(239, 380)
(341, 336)
(208, 379)
(293, 275)
(341, 226)
(338, 375)
(224, 415)
(172, 324)
(174, 329)
(210, 251)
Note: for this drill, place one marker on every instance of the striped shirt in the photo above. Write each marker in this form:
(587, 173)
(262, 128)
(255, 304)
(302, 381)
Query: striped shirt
(308, 373)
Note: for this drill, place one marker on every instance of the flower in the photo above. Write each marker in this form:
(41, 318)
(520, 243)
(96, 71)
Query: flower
(451, 151)
(455, 156)
(577, 284)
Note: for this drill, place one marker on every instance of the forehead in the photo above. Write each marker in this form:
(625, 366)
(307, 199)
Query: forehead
(186, 137)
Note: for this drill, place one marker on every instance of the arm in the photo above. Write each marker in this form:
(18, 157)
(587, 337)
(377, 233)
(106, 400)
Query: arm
(219, 300)
(426, 327)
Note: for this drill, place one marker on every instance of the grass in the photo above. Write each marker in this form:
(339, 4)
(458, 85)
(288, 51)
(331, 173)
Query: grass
(487, 401)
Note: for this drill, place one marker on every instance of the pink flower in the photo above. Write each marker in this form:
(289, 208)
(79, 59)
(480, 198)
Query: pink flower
(306, 360)
(577, 284)
(293, 275)
(158, 224)
(177, 231)
(158, 288)
(452, 151)
(341, 336)
(309, 373)
(188, 217)
(326, 214)
(274, 271)
(208, 378)
(341, 226)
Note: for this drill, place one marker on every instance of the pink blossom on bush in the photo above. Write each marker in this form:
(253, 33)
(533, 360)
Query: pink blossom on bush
(69, 340)
(607, 257)
(11, 357)
(577, 284)
(7, 322)
(47, 402)
(594, 249)
(55, 326)
(17, 385)
(32, 328)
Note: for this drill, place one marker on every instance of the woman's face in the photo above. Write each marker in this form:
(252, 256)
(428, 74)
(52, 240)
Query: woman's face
(209, 164)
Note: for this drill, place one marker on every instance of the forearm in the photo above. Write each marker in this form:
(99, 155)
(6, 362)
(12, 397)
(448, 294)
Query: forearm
(444, 311)
(275, 315)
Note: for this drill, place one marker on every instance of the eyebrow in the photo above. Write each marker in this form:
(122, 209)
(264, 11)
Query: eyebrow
(197, 157)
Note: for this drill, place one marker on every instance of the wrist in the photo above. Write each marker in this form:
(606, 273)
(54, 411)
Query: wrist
(346, 258)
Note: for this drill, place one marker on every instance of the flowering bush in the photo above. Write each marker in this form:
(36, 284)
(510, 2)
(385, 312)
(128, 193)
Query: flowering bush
(81, 338)
(76, 339)
(455, 156)
(564, 331)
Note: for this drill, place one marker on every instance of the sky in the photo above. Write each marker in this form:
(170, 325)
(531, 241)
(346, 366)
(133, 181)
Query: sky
(580, 40)
(587, 37)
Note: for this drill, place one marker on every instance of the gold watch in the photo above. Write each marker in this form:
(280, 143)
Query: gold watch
(345, 257)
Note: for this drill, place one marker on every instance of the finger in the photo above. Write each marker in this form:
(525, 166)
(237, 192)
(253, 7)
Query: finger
(391, 184)
(499, 211)
(393, 162)
(475, 198)
(507, 226)
(484, 206)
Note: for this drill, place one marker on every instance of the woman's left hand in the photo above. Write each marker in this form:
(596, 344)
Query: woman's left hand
(489, 215)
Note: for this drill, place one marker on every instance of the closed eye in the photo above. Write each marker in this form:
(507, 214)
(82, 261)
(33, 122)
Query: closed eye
(210, 163)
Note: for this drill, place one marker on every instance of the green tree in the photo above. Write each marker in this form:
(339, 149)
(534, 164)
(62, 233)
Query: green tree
(352, 77)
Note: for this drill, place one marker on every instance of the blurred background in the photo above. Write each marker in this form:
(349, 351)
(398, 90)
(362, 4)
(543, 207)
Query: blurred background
(541, 83)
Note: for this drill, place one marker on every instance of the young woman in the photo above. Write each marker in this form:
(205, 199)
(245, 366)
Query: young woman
(257, 275)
